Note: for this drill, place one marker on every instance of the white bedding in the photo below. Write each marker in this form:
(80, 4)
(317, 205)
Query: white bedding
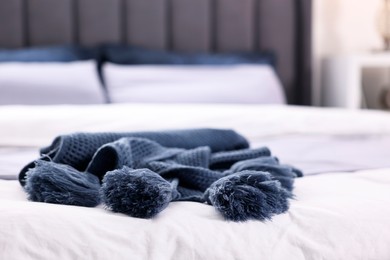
(251, 84)
(37, 125)
(50, 83)
(334, 216)
(339, 216)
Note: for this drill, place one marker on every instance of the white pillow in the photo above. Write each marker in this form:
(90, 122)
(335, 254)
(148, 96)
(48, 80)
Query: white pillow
(50, 83)
(193, 84)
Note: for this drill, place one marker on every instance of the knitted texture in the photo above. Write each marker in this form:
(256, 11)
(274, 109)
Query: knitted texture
(141, 175)
(189, 166)
(78, 149)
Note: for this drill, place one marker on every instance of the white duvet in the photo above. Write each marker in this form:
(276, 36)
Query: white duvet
(334, 215)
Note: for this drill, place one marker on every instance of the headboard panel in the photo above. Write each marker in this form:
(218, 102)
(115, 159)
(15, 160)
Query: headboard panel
(234, 25)
(12, 24)
(98, 21)
(49, 22)
(146, 23)
(191, 25)
(280, 26)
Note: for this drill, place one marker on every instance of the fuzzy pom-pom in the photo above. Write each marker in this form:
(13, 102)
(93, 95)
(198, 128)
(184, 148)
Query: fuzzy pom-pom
(286, 182)
(248, 195)
(138, 193)
(61, 184)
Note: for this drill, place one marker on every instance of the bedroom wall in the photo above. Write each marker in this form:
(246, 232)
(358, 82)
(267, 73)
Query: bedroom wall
(340, 27)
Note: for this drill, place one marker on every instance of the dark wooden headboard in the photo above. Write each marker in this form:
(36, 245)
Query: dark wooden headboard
(280, 26)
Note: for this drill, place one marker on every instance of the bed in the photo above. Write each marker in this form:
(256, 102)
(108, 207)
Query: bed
(337, 214)
(339, 209)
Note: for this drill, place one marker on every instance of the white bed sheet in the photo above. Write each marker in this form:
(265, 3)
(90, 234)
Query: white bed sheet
(36, 126)
(334, 215)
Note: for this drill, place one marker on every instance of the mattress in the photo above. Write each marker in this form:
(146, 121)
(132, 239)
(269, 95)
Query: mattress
(340, 209)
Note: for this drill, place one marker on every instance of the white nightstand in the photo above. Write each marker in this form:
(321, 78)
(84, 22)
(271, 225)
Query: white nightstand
(342, 78)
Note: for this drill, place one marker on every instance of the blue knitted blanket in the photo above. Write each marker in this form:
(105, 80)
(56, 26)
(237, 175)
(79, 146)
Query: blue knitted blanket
(140, 173)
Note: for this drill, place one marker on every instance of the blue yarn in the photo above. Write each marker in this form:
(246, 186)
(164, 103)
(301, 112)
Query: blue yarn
(140, 176)
(271, 162)
(248, 195)
(138, 193)
(61, 184)
(285, 174)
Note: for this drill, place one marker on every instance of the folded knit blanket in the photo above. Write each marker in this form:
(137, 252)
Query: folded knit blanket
(77, 149)
(140, 173)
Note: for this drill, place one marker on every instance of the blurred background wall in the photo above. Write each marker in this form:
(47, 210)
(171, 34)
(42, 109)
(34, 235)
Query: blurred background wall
(343, 27)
